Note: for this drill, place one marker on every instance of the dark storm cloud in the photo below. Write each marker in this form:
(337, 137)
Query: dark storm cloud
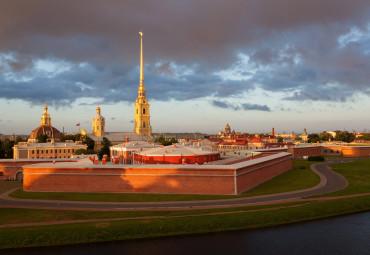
(292, 45)
(237, 107)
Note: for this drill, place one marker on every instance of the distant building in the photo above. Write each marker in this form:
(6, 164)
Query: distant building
(26, 150)
(98, 124)
(304, 136)
(175, 154)
(124, 152)
(45, 128)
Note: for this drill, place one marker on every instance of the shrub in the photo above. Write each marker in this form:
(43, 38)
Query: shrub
(316, 158)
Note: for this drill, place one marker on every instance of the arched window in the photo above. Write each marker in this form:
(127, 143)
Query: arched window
(137, 111)
(144, 111)
(144, 124)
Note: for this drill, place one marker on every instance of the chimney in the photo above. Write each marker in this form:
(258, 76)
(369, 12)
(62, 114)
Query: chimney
(127, 139)
(273, 132)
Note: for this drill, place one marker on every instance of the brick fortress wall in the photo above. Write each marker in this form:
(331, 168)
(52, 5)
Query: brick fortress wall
(176, 179)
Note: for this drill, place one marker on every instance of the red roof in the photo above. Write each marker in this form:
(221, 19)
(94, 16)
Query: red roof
(255, 140)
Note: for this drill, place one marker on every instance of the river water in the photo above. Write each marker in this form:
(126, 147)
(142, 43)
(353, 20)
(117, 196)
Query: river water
(340, 235)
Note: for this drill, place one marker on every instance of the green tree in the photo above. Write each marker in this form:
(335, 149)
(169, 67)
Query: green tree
(280, 139)
(65, 137)
(18, 139)
(88, 141)
(84, 152)
(105, 148)
(313, 138)
(325, 136)
(344, 136)
(42, 138)
(6, 150)
(165, 142)
(365, 136)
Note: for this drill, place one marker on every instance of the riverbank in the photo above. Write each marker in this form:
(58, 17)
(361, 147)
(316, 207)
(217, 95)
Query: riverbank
(109, 226)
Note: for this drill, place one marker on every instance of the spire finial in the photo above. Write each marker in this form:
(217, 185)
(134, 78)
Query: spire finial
(141, 59)
(45, 107)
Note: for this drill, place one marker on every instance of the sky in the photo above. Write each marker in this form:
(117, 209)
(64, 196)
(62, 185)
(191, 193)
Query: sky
(255, 64)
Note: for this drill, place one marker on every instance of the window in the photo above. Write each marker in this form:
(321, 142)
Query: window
(73, 150)
(42, 151)
(33, 152)
(97, 127)
(144, 124)
(137, 111)
(46, 151)
(144, 101)
(144, 111)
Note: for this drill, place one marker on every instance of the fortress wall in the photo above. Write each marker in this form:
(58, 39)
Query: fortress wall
(356, 151)
(172, 179)
(252, 176)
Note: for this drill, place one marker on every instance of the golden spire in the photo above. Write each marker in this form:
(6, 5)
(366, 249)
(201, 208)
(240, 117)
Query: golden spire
(141, 59)
(45, 108)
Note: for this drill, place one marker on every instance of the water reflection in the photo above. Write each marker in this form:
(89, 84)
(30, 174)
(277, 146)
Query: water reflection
(340, 235)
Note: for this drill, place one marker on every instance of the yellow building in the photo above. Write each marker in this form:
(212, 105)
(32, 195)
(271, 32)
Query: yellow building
(46, 150)
(142, 117)
(98, 124)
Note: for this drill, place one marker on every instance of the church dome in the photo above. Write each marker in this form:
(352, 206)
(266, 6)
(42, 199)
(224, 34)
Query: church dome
(45, 127)
(50, 131)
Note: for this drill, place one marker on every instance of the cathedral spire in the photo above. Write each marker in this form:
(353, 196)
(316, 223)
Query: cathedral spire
(141, 59)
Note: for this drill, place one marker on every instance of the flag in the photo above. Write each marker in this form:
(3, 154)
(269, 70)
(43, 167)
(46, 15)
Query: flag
(78, 124)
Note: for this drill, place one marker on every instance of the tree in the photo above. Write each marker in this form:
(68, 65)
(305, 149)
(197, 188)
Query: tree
(88, 141)
(75, 137)
(105, 148)
(18, 139)
(365, 136)
(84, 152)
(280, 139)
(42, 138)
(313, 138)
(6, 150)
(165, 142)
(344, 136)
(325, 136)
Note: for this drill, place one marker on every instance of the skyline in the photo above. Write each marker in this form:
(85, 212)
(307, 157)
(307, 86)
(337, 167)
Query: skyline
(255, 65)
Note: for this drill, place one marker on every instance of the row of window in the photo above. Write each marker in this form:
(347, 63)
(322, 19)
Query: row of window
(53, 151)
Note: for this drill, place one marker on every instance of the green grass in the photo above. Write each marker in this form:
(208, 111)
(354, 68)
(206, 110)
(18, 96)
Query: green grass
(299, 177)
(7, 185)
(357, 174)
(19, 216)
(143, 228)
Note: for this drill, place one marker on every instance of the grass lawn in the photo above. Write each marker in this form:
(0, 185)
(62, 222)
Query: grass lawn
(299, 177)
(18, 216)
(357, 174)
(7, 185)
(143, 228)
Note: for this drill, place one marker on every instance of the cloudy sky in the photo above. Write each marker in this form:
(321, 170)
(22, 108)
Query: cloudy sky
(256, 64)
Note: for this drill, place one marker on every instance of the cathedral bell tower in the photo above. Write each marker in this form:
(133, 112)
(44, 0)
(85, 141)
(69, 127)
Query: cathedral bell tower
(98, 124)
(142, 117)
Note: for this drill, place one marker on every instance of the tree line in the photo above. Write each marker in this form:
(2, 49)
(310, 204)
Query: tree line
(340, 136)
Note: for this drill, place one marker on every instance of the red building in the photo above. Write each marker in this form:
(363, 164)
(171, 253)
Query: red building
(176, 154)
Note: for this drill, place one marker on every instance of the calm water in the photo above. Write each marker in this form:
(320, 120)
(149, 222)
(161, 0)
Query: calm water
(341, 235)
